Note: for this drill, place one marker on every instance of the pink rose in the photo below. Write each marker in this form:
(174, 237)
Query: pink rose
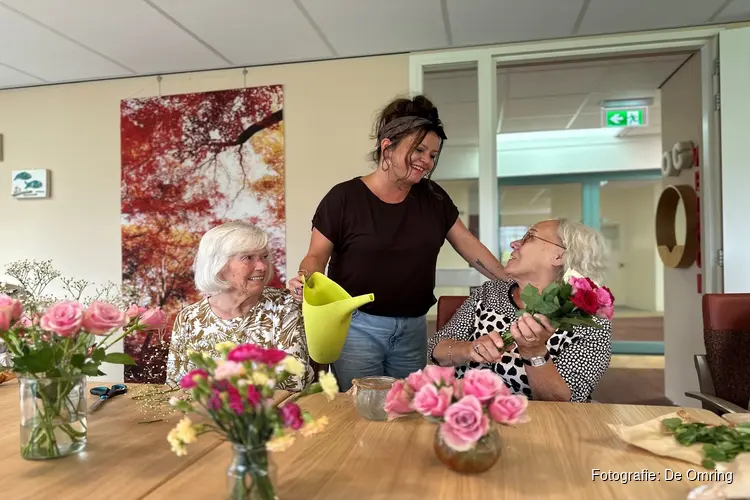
(439, 374)
(5, 320)
(153, 319)
(431, 401)
(509, 410)
(606, 312)
(190, 379)
(465, 423)
(101, 318)
(64, 318)
(484, 385)
(580, 284)
(604, 296)
(134, 311)
(25, 321)
(12, 306)
(417, 380)
(398, 400)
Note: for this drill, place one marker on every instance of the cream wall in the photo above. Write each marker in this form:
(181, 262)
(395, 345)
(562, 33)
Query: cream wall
(683, 326)
(74, 130)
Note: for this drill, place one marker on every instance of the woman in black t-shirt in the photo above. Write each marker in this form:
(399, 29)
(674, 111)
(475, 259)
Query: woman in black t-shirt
(382, 234)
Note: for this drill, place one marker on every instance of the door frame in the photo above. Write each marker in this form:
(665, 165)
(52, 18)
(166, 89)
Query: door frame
(487, 59)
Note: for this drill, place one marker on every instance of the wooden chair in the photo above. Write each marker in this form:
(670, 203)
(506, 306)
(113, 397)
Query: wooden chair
(723, 374)
(447, 307)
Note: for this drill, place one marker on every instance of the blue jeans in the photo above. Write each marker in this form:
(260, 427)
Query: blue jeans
(381, 345)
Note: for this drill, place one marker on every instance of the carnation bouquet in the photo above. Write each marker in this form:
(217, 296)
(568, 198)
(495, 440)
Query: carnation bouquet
(233, 396)
(466, 410)
(52, 353)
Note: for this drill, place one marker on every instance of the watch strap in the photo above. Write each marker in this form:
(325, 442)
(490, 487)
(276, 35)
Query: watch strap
(527, 362)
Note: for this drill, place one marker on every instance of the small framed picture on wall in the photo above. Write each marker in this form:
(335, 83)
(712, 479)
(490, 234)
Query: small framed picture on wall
(32, 183)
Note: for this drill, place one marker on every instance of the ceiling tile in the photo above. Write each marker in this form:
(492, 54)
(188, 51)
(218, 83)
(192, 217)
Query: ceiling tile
(41, 52)
(475, 22)
(132, 33)
(379, 27)
(250, 32)
(738, 10)
(617, 16)
(9, 77)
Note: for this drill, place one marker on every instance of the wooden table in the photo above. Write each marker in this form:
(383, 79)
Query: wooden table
(124, 459)
(553, 456)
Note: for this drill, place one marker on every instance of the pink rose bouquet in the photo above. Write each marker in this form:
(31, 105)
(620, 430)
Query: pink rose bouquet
(465, 409)
(235, 395)
(52, 350)
(574, 300)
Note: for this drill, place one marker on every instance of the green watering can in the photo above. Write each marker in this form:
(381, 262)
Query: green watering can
(327, 312)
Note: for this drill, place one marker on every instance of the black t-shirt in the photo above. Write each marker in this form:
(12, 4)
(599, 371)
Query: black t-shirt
(388, 249)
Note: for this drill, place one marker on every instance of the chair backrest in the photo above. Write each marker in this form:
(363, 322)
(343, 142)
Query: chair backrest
(447, 307)
(726, 334)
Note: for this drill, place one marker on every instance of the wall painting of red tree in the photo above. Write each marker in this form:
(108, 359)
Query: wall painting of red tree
(190, 162)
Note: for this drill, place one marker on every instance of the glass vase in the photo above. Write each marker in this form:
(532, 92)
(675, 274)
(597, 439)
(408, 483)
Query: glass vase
(53, 417)
(480, 458)
(252, 474)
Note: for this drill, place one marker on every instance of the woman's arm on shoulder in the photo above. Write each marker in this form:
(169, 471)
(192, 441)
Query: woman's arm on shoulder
(474, 252)
(583, 363)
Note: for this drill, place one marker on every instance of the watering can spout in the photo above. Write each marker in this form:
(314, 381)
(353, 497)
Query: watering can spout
(327, 313)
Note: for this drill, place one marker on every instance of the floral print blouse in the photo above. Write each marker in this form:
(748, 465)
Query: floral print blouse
(275, 321)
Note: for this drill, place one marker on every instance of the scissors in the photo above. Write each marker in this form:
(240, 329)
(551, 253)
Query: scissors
(106, 393)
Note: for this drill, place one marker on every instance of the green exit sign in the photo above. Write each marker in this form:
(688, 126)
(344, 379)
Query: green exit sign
(630, 117)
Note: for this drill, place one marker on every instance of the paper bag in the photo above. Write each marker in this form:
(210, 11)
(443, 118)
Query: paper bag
(651, 436)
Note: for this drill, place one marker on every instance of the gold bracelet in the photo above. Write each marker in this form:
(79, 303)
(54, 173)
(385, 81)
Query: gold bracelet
(450, 353)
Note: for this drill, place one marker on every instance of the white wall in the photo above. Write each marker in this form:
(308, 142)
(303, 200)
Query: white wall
(637, 153)
(683, 323)
(74, 130)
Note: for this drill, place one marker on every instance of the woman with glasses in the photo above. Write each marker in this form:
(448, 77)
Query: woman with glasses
(543, 364)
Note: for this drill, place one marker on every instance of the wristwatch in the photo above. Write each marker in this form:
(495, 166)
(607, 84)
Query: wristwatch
(536, 360)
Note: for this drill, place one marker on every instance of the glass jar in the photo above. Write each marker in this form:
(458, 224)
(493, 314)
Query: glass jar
(53, 417)
(369, 396)
(252, 474)
(480, 458)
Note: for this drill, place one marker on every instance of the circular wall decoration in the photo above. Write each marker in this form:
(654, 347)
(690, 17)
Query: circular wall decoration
(672, 253)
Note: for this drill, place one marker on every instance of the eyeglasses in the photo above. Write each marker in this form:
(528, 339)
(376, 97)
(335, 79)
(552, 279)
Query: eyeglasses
(528, 236)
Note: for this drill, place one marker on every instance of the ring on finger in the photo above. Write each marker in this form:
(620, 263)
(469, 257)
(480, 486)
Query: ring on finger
(476, 348)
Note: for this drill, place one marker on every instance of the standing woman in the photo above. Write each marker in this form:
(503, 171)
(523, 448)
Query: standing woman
(381, 234)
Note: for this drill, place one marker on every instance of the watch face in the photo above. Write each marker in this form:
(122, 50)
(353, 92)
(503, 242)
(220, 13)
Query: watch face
(537, 361)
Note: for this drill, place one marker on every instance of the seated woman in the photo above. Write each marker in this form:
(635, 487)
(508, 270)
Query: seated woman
(232, 270)
(543, 364)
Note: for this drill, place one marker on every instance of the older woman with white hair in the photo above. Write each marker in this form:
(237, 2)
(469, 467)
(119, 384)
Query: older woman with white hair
(543, 364)
(232, 268)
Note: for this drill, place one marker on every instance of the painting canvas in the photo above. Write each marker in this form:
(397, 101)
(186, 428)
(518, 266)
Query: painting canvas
(30, 183)
(189, 163)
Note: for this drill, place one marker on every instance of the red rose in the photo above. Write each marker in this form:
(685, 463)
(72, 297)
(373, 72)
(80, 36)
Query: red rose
(586, 301)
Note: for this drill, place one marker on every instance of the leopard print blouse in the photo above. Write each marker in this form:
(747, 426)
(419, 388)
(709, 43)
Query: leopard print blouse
(581, 356)
(275, 321)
